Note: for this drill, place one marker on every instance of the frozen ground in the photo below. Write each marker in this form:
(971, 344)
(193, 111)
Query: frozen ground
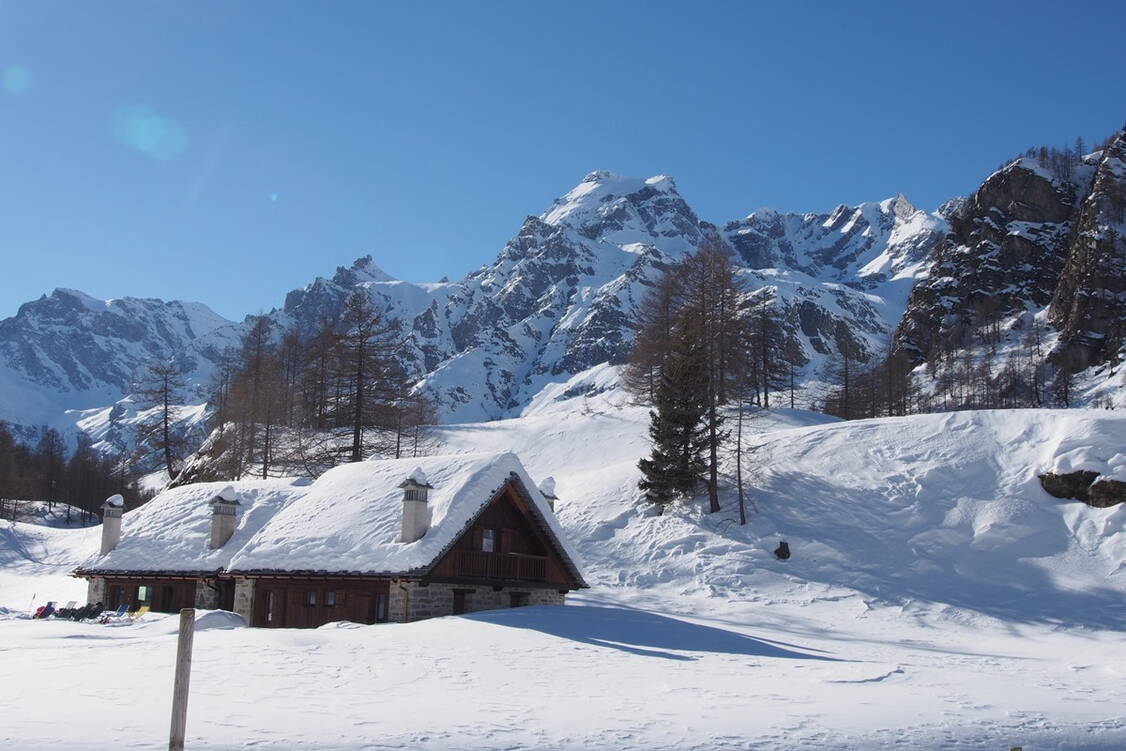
(937, 598)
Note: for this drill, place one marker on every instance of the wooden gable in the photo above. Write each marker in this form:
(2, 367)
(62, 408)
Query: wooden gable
(521, 551)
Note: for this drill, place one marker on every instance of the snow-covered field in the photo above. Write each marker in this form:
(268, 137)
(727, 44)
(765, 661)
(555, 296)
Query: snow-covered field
(936, 598)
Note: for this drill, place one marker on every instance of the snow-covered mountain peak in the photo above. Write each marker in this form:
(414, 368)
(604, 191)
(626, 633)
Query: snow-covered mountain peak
(363, 269)
(898, 206)
(628, 211)
(850, 243)
(78, 296)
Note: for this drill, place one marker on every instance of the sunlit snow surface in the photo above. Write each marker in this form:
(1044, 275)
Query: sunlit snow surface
(936, 598)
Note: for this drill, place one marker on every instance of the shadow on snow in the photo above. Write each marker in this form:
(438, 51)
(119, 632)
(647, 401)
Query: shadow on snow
(640, 632)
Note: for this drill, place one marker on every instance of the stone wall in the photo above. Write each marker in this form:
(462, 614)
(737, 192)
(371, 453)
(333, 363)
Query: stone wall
(438, 599)
(244, 599)
(96, 590)
(206, 598)
(395, 600)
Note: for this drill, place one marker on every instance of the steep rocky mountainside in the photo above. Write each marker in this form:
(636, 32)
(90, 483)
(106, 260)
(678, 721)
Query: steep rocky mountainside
(560, 296)
(840, 279)
(558, 299)
(70, 352)
(1003, 256)
(1037, 251)
(1036, 245)
(1089, 305)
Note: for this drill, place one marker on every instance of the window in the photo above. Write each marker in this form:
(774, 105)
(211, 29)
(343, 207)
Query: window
(489, 540)
(144, 594)
(517, 599)
(311, 597)
(269, 607)
(330, 599)
(381, 608)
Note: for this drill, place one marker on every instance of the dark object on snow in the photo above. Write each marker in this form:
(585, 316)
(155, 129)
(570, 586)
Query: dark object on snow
(782, 552)
(1071, 485)
(89, 611)
(1107, 493)
(1081, 486)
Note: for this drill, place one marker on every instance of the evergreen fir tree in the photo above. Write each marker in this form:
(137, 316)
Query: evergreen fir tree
(678, 428)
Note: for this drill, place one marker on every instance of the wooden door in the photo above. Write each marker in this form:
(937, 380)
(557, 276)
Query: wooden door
(362, 607)
(227, 594)
(269, 607)
(167, 600)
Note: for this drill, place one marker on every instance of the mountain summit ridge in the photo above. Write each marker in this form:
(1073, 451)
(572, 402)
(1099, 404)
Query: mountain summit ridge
(560, 295)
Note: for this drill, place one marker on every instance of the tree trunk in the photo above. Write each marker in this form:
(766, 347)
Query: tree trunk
(166, 432)
(739, 466)
(713, 460)
(358, 416)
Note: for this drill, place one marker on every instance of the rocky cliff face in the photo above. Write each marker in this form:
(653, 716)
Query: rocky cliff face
(558, 299)
(1002, 258)
(1089, 304)
(69, 351)
(561, 294)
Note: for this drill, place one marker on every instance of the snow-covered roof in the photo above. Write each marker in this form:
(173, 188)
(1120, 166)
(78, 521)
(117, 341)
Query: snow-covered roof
(171, 532)
(347, 521)
(350, 519)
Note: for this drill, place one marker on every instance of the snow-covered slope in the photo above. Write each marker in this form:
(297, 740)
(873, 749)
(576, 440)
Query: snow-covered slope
(932, 511)
(936, 597)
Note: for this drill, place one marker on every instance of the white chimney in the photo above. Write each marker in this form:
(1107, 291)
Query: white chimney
(416, 514)
(547, 488)
(111, 522)
(224, 508)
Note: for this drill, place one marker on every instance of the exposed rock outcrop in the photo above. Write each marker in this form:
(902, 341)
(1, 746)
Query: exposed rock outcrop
(1075, 485)
(1107, 493)
(1089, 305)
(1085, 485)
(1004, 254)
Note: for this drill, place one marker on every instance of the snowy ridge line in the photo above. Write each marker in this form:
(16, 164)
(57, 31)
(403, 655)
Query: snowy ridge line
(558, 300)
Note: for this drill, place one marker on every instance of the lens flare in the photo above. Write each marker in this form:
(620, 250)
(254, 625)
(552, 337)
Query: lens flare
(144, 130)
(16, 79)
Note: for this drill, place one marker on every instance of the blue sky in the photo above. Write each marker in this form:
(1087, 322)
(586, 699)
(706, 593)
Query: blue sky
(227, 152)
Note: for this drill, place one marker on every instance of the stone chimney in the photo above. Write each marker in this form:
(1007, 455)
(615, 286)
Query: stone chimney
(224, 508)
(547, 488)
(111, 522)
(416, 514)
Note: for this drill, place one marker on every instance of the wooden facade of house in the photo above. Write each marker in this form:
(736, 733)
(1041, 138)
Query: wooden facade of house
(504, 545)
(309, 602)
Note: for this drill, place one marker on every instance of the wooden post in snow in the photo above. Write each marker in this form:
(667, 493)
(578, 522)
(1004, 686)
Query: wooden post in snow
(183, 676)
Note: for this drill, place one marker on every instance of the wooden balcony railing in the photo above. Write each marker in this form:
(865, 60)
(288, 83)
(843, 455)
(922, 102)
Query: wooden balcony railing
(478, 565)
